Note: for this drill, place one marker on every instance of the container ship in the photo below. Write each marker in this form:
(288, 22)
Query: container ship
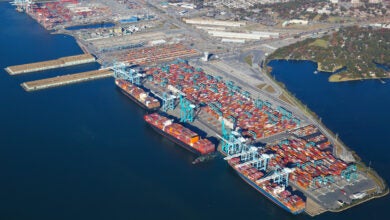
(278, 194)
(180, 134)
(138, 95)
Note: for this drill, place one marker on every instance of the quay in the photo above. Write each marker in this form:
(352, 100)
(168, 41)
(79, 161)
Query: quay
(50, 64)
(316, 196)
(66, 80)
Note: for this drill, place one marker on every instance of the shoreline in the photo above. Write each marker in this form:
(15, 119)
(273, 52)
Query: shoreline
(335, 75)
(312, 115)
(333, 71)
(319, 64)
(361, 201)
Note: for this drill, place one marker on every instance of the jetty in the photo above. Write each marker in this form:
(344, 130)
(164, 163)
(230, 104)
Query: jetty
(50, 64)
(66, 80)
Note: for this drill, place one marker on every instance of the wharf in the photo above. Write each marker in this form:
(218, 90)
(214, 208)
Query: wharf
(203, 120)
(313, 208)
(51, 64)
(212, 127)
(66, 79)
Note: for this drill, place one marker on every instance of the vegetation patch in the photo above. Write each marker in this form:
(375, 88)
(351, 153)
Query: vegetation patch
(270, 89)
(248, 60)
(261, 86)
(358, 49)
(284, 98)
(173, 26)
(319, 43)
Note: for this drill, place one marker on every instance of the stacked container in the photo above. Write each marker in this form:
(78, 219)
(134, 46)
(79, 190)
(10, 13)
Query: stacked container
(141, 97)
(180, 134)
(220, 100)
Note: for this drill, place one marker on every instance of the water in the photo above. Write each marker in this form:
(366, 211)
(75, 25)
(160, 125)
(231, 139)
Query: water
(357, 111)
(382, 66)
(84, 152)
(90, 26)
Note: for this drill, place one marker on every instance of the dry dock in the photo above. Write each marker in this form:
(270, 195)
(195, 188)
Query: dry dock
(50, 64)
(65, 80)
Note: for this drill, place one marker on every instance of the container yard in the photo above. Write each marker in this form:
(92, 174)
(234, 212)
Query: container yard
(54, 13)
(51, 64)
(51, 13)
(67, 13)
(66, 80)
(224, 101)
(159, 54)
(199, 21)
(120, 42)
(289, 169)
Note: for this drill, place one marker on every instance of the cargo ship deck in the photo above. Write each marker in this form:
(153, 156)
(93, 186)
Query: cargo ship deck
(131, 91)
(180, 134)
(270, 197)
(175, 140)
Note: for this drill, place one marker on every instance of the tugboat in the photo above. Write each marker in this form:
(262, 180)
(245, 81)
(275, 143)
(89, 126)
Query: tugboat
(205, 158)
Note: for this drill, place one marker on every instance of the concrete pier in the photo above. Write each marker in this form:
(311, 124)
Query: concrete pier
(66, 80)
(313, 208)
(50, 64)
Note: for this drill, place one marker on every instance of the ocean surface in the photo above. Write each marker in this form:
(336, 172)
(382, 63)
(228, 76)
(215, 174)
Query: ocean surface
(84, 152)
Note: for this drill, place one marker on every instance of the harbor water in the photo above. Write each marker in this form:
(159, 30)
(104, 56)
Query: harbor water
(90, 26)
(84, 152)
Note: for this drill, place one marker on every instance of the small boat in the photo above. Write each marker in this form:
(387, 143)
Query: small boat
(205, 158)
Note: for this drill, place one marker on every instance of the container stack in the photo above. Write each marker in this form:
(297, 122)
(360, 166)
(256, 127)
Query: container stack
(138, 93)
(180, 134)
(224, 101)
(160, 53)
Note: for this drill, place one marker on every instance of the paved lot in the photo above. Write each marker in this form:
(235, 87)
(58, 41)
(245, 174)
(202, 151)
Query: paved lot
(329, 195)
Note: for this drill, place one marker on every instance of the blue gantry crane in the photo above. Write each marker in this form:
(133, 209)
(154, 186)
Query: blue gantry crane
(259, 104)
(22, 5)
(286, 114)
(350, 173)
(168, 100)
(279, 176)
(252, 157)
(122, 71)
(232, 142)
(321, 181)
(187, 110)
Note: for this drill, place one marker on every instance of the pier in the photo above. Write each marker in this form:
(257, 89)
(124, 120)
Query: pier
(50, 64)
(66, 80)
